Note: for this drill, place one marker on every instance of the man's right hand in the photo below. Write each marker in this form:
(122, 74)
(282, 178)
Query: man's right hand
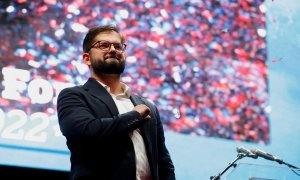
(143, 110)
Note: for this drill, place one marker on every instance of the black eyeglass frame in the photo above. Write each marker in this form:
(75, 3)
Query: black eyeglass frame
(122, 50)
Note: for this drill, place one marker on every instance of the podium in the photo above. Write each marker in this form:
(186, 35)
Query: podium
(244, 171)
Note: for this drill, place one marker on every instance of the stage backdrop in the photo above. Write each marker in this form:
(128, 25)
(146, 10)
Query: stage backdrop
(223, 74)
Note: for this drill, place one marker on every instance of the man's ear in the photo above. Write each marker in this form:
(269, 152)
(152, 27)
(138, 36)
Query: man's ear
(86, 59)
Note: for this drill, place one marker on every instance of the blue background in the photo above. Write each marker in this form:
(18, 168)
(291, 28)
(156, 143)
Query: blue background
(199, 157)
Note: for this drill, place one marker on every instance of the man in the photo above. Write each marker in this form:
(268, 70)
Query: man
(111, 133)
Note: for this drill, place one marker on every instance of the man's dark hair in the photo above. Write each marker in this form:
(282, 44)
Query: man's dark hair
(93, 32)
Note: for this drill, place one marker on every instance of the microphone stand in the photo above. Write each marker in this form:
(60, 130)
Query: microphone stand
(239, 156)
(293, 168)
(290, 166)
(280, 161)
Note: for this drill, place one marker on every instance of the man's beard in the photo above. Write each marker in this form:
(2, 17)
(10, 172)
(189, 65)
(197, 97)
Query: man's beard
(102, 66)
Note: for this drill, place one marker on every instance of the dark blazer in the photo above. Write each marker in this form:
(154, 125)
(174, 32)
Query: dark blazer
(97, 135)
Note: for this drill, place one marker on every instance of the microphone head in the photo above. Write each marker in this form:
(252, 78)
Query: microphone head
(241, 149)
(246, 152)
(254, 151)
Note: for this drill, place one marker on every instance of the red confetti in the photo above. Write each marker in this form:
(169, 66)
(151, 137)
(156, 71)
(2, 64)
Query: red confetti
(276, 60)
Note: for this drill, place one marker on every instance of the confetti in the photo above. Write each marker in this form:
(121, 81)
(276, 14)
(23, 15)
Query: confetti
(274, 60)
(205, 67)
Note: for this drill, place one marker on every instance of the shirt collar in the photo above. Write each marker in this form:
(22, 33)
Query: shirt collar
(126, 90)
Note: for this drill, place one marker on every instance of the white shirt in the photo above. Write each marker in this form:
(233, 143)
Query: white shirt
(124, 105)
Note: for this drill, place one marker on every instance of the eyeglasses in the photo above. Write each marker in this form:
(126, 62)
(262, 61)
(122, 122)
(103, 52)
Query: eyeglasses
(106, 45)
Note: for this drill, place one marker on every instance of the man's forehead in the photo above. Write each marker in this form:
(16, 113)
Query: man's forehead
(108, 35)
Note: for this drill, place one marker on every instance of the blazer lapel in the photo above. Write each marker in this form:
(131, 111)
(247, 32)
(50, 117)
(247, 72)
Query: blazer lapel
(97, 90)
(146, 133)
(135, 100)
(146, 127)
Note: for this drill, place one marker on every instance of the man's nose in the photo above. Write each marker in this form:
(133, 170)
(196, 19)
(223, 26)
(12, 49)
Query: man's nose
(112, 48)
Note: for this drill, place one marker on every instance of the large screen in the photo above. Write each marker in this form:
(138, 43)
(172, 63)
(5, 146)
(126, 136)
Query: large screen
(203, 63)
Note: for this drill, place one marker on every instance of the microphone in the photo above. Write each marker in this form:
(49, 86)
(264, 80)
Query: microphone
(248, 153)
(265, 155)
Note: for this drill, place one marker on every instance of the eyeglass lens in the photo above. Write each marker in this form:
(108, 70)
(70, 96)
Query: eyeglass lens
(105, 45)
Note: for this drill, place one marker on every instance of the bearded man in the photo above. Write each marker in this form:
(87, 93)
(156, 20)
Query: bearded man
(110, 132)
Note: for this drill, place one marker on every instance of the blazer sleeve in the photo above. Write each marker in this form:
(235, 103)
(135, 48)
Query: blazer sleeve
(77, 121)
(166, 170)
